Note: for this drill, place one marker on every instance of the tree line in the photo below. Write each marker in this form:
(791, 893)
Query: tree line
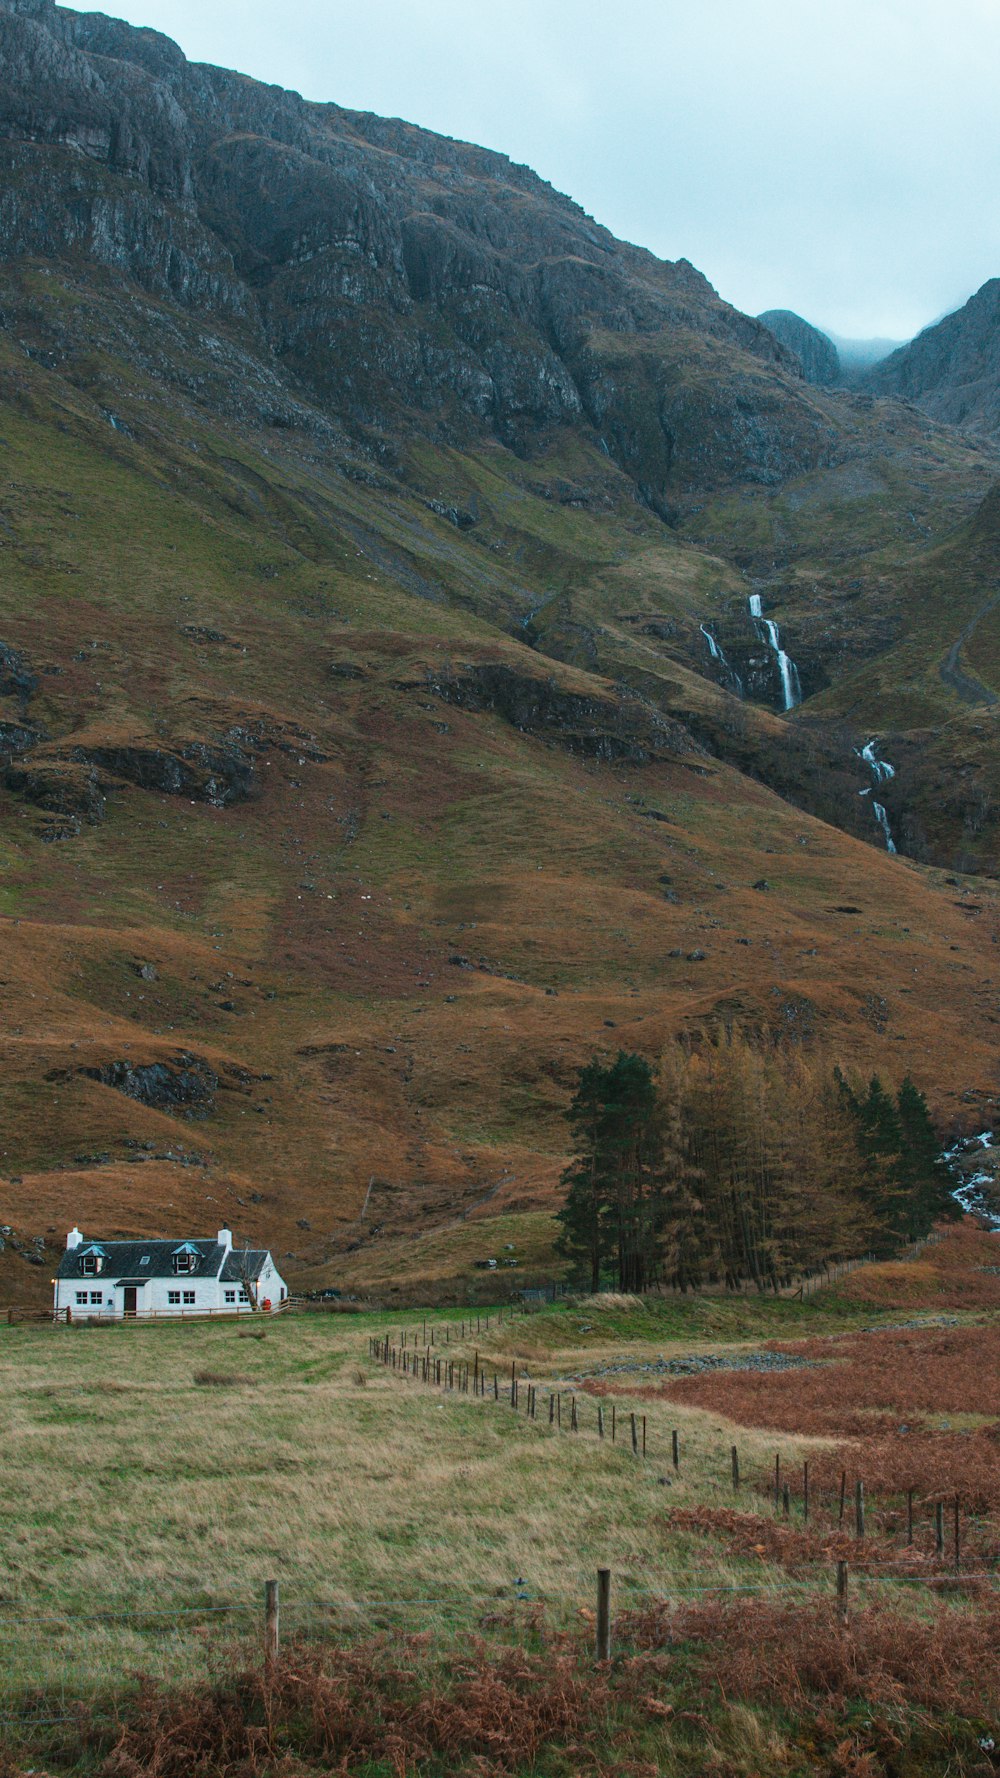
(742, 1166)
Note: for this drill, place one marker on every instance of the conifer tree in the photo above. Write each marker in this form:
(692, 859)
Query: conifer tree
(586, 1239)
(923, 1173)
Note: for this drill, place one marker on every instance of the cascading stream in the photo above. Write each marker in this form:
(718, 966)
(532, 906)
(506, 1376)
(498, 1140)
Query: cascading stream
(883, 821)
(716, 651)
(767, 630)
(976, 1190)
(881, 771)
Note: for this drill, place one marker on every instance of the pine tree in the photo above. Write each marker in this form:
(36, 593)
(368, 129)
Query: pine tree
(585, 1239)
(880, 1145)
(616, 1205)
(923, 1174)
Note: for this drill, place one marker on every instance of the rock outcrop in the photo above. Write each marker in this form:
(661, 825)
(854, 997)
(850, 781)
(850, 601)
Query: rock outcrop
(381, 268)
(952, 370)
(814, 350)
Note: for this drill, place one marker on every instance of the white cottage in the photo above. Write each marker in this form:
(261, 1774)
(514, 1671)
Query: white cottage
(130, 1280)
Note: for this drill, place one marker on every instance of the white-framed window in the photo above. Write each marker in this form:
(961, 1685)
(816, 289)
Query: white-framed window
(97, 1296)
(243, 1297)
(189, 1297)
(230, 1296)
(81, 1296)
(91, 1264)
(174, 1298)
(185, 1262)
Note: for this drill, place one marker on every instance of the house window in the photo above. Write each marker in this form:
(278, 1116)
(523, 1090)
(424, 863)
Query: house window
(91, 1264)
(174, 1297)
(81, 1296)
(185, 1262)
(230, 1296)
(189, 1297)
(282, 1293)
(243, 1297)
(96, 1296)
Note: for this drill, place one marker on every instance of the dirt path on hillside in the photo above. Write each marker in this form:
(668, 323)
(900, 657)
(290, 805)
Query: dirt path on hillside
(969, 689)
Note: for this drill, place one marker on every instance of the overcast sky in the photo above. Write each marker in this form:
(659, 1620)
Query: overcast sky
(837, 157)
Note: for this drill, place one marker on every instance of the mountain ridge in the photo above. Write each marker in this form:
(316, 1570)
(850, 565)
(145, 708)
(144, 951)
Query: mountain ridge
(367, 766)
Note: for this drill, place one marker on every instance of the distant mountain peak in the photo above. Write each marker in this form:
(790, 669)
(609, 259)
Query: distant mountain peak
(952, 369)
(814, 350)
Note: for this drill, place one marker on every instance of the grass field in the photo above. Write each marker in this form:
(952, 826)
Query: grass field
(155, 1477)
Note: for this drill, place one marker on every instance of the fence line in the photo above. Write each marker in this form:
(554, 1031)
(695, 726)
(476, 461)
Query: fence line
(833, 1582)
(425, 1364)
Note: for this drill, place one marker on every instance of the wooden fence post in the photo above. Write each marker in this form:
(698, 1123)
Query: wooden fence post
(271, 1625)
(958, 1535)
(842, 1591)
(552, 1409)
(574, 1424)
(675, 1450)
(604, 1614)
(644, 1435)
(786, 1501)
(600, 1421)
(859, 1509)
(777, 1483)
(805, 1492)
(939, 1527)
(843, 1492)
(734, 1458)
(635, 1437)
(909, 1515)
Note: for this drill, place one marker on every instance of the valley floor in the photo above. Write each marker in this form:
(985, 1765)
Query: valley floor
(436, 1546)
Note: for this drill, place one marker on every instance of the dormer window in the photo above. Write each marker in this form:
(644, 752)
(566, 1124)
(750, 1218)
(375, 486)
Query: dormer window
(186, 1259)
(92, 1262)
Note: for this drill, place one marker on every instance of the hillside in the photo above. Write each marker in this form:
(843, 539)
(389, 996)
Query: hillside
(367, 513)
(952, 370)
(814, 350)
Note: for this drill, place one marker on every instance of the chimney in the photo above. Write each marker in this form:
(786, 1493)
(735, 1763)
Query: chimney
(73, 1240)
(226, 1239)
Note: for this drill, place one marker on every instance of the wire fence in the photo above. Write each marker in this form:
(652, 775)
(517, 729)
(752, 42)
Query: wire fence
(57, 1667)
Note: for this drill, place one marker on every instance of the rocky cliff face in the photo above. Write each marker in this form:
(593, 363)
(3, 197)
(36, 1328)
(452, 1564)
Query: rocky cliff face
(952, 370)
(816, 353)
(383, 269)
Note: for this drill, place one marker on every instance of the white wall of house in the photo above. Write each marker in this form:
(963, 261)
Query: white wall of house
(101, 1297)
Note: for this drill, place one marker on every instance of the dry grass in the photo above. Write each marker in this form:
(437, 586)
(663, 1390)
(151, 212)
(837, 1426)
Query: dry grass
(796, 1655)
(860, 1384)
(192, 1494)
(224, 1380)
(763, 1690)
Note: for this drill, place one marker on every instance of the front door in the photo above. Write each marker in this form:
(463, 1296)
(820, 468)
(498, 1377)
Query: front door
(130, 1299)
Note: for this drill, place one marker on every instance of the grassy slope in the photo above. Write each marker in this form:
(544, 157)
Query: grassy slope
(196, 1460)
(304, 938)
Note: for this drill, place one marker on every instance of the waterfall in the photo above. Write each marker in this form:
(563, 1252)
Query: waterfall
(791, 686)
(880, 767)
(883, 821)
(976, 1191)
(717, 654)
(881, 771)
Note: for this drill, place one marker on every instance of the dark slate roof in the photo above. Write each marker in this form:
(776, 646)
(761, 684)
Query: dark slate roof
(243, 1263)
(124, 1260)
